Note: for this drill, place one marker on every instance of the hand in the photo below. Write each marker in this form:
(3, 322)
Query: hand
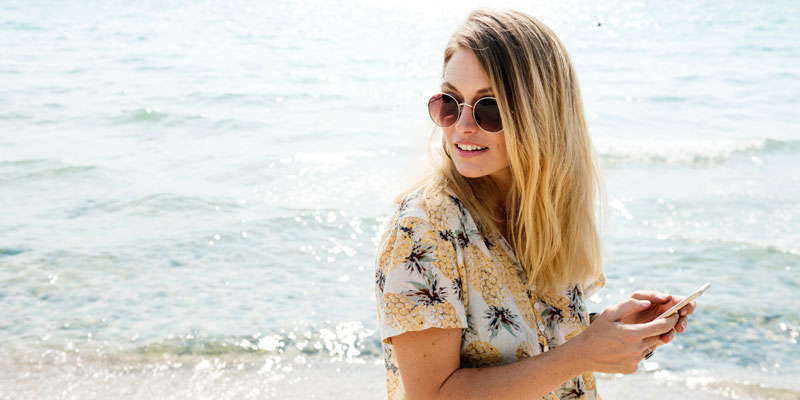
(660, 302)
(611, 345)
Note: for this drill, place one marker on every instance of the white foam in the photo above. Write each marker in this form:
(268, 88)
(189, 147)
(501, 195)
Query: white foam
(680, 152)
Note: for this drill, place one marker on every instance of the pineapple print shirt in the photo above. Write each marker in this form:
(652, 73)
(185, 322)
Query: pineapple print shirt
(434, 269)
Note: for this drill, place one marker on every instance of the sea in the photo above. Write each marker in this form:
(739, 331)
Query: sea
(191, 192)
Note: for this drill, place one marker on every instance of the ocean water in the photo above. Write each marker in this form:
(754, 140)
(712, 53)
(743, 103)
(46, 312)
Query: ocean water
(191, 191)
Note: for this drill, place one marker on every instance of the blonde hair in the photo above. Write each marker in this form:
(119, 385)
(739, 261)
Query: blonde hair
(550, 203)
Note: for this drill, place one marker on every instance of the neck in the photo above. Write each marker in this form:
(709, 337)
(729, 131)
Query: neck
(502, 179)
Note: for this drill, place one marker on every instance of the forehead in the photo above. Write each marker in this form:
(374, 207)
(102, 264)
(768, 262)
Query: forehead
(464, 71)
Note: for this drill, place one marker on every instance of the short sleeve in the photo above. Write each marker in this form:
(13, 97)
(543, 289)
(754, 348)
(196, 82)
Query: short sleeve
(593, 286)
(418, 282)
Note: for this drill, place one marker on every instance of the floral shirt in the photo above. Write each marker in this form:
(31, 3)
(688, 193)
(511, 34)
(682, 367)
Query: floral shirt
(435, 269)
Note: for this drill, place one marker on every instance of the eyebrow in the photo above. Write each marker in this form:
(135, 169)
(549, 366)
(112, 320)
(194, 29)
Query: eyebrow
(450, 86)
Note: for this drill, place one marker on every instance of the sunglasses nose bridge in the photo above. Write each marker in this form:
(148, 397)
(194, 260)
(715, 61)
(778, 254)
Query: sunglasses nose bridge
(461, 108)
(461, 113)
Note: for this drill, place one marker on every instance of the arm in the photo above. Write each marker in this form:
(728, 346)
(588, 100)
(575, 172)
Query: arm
(429, 359)
(429, 365)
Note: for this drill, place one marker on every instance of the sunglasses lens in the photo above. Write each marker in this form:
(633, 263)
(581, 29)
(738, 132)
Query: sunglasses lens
(443, 110)
(487, 115)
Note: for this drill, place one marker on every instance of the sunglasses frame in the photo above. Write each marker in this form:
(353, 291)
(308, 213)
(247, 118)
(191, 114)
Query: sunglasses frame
(460, 106)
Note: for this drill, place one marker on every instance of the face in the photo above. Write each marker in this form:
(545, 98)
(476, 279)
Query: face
(465, 80)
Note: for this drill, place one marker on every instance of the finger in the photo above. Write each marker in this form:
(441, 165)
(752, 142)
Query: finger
(656, 326)
(626, 307)
(652, 296)
(680, 326)
(689, 308)
(652, 342)
(645, 352)
(667, 337)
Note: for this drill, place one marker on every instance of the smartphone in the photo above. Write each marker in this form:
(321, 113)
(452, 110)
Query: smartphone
(685, 301)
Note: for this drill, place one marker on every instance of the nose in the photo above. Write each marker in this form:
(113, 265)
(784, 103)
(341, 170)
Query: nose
(466, 121)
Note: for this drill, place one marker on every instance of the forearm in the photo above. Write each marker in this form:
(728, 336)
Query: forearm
(530, 378)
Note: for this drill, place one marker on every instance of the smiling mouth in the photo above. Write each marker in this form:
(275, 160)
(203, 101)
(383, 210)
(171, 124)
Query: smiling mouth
(468, 147)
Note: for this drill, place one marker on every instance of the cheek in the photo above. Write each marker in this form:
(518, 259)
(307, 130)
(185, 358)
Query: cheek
(500, 145)
(447, 134)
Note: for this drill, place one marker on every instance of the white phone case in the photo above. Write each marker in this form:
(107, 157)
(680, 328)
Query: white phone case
(685, 301)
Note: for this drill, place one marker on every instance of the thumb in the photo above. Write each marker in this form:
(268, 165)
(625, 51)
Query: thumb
(627, 307)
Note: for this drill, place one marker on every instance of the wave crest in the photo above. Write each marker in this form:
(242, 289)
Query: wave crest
(692, 153)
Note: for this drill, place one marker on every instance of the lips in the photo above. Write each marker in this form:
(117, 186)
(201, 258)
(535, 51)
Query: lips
(470, 146)
(466, 150)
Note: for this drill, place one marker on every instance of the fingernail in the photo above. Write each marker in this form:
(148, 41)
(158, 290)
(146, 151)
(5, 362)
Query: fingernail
(683, 324)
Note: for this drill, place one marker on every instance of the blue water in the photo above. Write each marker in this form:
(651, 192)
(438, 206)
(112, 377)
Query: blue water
(191, 192)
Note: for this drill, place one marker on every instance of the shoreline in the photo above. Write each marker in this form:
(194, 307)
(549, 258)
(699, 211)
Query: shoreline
(252, 376)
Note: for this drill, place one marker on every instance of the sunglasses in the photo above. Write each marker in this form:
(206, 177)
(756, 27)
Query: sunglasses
(445, 111)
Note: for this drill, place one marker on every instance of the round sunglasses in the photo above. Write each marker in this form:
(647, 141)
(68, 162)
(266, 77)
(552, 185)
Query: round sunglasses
(445, 111)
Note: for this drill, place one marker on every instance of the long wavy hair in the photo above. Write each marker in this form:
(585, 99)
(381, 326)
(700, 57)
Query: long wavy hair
(550, 208)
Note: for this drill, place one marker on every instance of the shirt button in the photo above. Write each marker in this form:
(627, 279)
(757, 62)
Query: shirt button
(541, 326)
(537, 306)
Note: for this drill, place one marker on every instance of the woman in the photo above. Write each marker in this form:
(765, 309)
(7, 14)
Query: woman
(482, 275)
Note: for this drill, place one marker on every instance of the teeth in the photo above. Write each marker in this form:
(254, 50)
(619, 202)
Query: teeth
(470, 147)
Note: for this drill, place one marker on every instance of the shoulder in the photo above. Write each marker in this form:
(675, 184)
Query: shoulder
(441, 210)
(594, 284)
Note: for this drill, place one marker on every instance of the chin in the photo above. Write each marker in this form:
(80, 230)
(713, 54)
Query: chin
(469, 172)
